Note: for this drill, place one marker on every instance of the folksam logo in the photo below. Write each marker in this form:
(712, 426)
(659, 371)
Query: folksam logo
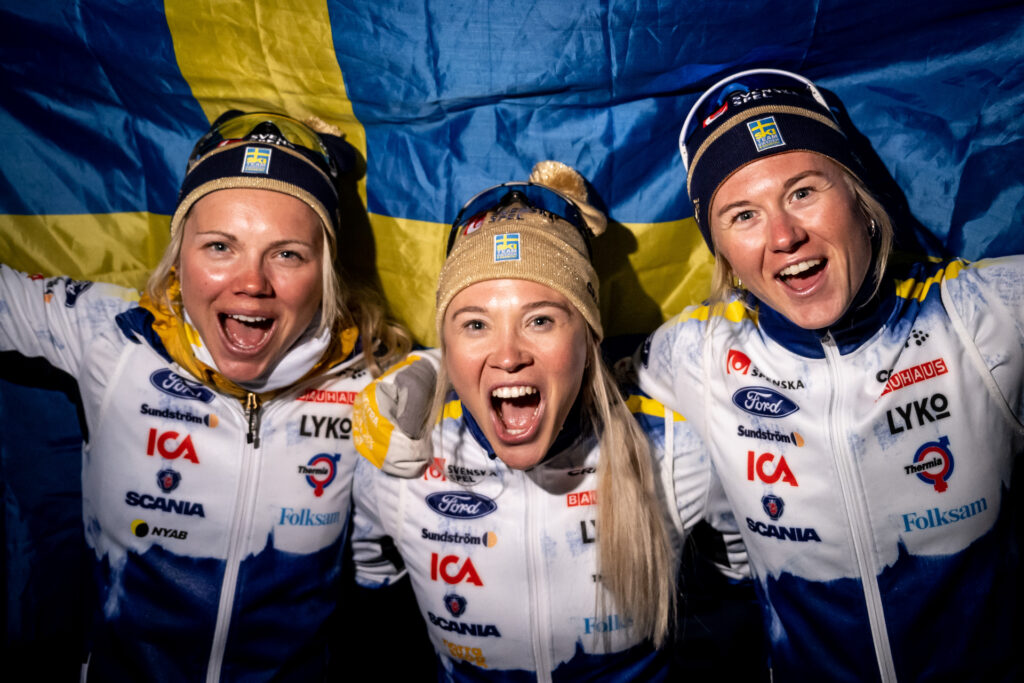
(763, 402)
(461, 504)
(174, 385)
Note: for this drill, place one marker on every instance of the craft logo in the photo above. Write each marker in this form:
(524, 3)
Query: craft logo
(178, 507)
(737, 362)
(506, 247)
(581, 498)
(435, 470)
(763, 402)
(773, 506)
(917, 337)
(174, 414)
(936, 407)
(918, 373)
(441, 568)
(934, 517)
(582, 471)
(167, 479)
(179, 387)
(331, 427)
(455, 604)
(325, 396)
(765, 133)
(141, 529)
(164, 443)
(479, 630)
(488, 539)
(613, 622)
(257, 160)
(933, 464)
(793, 438)
(473, 655)
(461, 504)
(714, 115)
(320, 471)
(758, 467)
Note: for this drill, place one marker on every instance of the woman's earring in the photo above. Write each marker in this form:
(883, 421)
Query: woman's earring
(873, 229)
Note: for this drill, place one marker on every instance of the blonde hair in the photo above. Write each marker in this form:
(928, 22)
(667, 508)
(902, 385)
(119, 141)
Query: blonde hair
(342, 305)
(723, 278)
(635, 558)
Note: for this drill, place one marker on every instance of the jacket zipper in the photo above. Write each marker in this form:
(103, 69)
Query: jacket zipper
(540, 627)
(860, 523)
(240, 523)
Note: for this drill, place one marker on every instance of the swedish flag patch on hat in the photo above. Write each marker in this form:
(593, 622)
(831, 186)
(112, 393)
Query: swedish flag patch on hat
(765, 133)
(257, 160)
(506, 247)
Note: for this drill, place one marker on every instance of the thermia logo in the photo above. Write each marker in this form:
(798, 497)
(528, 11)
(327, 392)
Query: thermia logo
(178, 507)
(763, 402)
(461, 504)
(320, 471)
(179, 387)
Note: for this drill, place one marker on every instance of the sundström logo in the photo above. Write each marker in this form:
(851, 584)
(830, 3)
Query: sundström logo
(179, 387)
(461, 504)
(764, 402)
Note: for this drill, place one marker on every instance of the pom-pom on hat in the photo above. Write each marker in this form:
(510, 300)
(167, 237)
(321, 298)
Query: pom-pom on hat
(537, 230)
(267, 151)
(748, 116)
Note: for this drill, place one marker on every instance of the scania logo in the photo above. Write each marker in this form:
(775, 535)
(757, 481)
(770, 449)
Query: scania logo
(173, 384)
(763, 402)
(461, 504)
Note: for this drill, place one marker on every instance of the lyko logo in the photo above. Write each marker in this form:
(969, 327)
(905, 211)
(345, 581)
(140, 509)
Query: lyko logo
(737, 362)
(448, 570)
(179, 387)
(435, 470)
(763, 402)
(929, 409)
(764, 468)
(167, 445)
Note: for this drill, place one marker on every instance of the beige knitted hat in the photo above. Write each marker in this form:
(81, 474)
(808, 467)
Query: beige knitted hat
(513, 239)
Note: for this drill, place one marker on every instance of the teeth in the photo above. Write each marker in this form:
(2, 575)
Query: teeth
(249, 318)
(513, 392)
(798, 268)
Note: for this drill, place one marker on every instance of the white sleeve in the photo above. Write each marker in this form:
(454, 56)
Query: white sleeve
(985, 302)
(56, 317)
(669, 368)
(375, 553)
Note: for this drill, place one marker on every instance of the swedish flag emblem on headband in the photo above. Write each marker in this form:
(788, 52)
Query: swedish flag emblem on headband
(765, 133)
(506, 247)
(257, 160)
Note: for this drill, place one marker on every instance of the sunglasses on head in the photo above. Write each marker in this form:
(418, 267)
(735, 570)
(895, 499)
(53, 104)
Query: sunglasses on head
(537, 197)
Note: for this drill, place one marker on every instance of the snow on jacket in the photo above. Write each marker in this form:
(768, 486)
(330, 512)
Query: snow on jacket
(869, 467)
(217, 532)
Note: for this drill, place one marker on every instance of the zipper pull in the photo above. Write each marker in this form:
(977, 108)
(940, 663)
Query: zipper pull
(252, 409)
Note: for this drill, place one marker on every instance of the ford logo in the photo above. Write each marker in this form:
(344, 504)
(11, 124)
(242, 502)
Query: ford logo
(179, 387)
(461, 504)
(764, 402)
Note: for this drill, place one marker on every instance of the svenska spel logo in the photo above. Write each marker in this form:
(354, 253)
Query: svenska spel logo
(506, 247)
(257, 160)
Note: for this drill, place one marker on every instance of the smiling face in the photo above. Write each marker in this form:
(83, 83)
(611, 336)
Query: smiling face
(251, 269)
(790, 228)
(515, 352)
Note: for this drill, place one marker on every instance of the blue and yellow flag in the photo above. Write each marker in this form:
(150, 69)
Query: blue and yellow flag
(100, 103)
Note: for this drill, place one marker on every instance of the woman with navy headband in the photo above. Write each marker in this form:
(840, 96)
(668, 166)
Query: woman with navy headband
(217, 474)
(864, 416)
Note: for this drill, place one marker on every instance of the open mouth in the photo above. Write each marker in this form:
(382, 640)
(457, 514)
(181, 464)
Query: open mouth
(797, 273)
(246, 332)
(516, 410)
